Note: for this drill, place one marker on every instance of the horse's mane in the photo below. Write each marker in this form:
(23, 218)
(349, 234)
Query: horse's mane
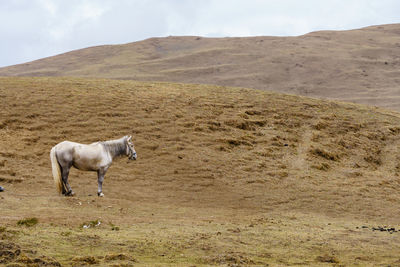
(115, 147)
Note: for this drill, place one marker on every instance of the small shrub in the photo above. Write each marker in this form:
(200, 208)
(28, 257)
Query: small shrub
(28, 222)
(394, 130)
(321, 125)
(253, 112)
(113, 257)
(324, 154)
(114, 227)
(235, 142)
(322, 167)
(86, 259)
(327, 258)
(245, 125)
(282, 174)
(373, 159)
(68, 233)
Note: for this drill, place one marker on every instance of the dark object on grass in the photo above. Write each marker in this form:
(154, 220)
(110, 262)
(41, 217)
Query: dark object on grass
(1, 189)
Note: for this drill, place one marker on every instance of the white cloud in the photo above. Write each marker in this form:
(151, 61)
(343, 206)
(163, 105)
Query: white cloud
(32, 29)
(48, 6)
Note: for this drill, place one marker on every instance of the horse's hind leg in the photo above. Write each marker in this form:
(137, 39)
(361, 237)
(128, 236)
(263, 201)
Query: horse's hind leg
(100, 179)
(64, 188)
(67, 188)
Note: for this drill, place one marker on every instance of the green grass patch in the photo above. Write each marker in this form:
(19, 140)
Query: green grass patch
(29, 222)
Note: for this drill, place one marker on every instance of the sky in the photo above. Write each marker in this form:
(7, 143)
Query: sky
(33, 29)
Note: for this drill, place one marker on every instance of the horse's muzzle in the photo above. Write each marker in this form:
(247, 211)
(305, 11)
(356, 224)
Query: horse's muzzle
(133, 156)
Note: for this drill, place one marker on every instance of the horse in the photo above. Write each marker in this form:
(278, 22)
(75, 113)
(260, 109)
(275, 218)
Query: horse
(97, 157)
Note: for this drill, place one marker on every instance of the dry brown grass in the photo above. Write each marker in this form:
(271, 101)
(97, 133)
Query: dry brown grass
(224, 176)
(360, 66)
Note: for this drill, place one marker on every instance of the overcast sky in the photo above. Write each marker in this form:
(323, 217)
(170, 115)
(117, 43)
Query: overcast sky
(33, 29)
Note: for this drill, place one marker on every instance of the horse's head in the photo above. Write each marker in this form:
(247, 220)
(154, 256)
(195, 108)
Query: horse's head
(130, 149)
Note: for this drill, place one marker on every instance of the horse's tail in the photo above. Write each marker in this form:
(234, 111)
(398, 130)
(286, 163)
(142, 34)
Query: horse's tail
(55, 166)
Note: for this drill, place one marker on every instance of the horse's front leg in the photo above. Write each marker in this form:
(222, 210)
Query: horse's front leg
(100, 178)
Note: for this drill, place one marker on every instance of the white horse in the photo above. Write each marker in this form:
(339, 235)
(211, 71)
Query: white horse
(94, 157)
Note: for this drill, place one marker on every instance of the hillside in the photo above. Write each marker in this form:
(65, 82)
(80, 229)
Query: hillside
(223, 176)
(360, 66)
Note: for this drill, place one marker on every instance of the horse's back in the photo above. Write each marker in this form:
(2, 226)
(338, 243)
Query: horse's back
(88, 151)
(66, 145)
(82, 156)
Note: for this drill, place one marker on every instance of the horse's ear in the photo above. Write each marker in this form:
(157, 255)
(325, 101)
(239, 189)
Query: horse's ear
(129, 137)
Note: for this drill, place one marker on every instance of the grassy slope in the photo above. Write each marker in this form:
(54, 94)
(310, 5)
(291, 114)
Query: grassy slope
(224, 176)
(361, 66)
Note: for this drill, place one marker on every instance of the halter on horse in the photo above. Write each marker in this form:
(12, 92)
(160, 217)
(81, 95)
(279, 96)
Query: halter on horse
(94, 157)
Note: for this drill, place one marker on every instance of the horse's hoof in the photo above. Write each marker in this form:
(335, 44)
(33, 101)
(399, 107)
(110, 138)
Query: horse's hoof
(100, 194)
(70, 194)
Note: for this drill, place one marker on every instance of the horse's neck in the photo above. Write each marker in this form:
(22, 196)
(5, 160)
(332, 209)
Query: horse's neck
(116, 148)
